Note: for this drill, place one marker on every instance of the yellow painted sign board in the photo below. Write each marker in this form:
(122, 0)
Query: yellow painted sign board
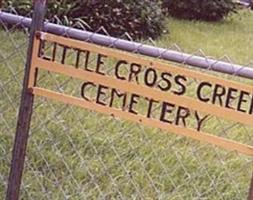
(134, 81)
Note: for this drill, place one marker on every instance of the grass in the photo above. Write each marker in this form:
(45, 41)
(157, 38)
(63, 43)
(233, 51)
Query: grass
(232, 37)
(77, 154)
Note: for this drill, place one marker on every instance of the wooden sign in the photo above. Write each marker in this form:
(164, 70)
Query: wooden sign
(144, 90)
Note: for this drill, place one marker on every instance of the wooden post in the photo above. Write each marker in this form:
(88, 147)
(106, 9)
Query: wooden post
(25, 110)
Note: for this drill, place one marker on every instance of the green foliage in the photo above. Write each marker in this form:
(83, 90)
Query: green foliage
(23, 7)
(140, 19)
(209, 10)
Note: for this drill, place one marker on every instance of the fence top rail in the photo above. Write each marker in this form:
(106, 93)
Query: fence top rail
(131, 46)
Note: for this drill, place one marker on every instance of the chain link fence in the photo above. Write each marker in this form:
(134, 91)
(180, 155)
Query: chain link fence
(78, 154)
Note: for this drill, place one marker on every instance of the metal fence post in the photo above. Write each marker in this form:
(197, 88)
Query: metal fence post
(250, 196)
(25, 110)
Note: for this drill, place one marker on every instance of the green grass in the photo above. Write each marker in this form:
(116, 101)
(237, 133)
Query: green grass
(77, 154)
(232, 37)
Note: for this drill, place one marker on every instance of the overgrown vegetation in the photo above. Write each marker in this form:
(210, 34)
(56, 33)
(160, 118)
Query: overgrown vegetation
(212, 10)
(140, 19)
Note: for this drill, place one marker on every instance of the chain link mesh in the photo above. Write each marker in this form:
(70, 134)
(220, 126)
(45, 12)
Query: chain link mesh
(78, 154)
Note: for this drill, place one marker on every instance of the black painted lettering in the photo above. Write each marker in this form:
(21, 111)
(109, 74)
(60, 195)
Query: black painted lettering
(180, 81)
(78, 53)
(150, 106)
(120, 95)
(167, 108)
(85, 84)
(100, 62)
(242, 100)
(199, 91)
(119, 63)
(86, 61)
(218, 93)
(251, 106)
(64, 52)
(182, 114)
(165, 78)
(230, 97)
(133, 100)
(135, 69)
(101, 93)
(150, 77)
(199, 120)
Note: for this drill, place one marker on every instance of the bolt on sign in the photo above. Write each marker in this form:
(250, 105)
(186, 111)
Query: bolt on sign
(143, 90)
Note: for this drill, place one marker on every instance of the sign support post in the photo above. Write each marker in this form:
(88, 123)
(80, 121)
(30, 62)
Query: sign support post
(25, 110)
(250, 196)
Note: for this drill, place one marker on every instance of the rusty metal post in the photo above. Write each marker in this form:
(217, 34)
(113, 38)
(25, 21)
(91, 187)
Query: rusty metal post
(250, 197)
(25, 111)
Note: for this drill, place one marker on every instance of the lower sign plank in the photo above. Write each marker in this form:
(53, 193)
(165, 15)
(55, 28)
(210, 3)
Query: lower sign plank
(191, 133)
